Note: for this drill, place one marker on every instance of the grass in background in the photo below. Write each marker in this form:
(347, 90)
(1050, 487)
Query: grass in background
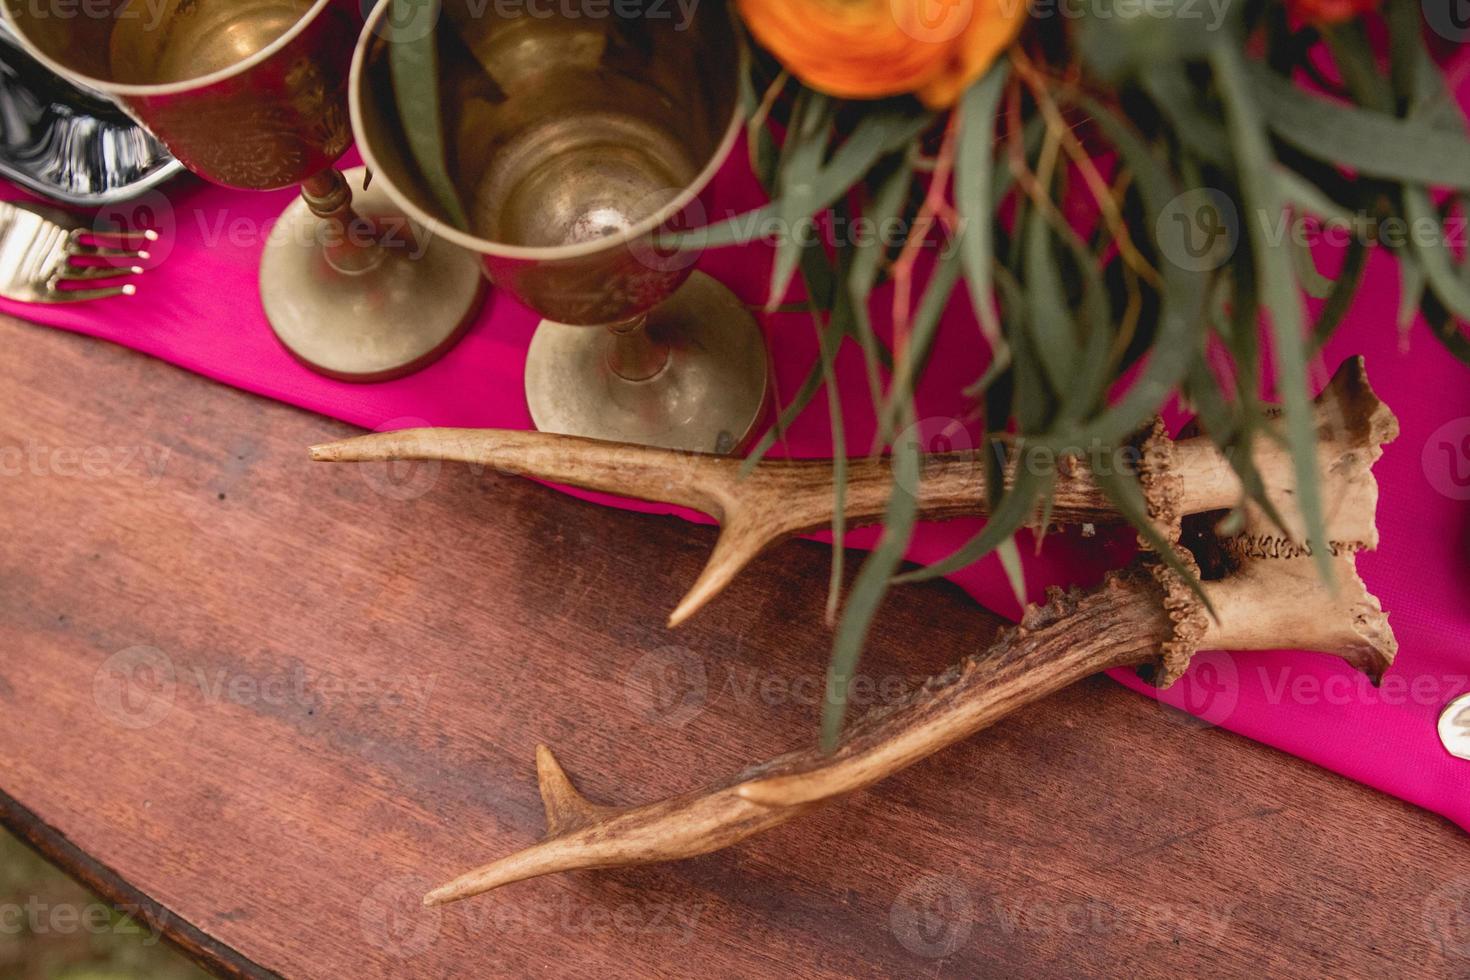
(51, 928)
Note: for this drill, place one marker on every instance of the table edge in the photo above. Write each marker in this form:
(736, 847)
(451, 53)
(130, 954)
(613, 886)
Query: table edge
(56, 848)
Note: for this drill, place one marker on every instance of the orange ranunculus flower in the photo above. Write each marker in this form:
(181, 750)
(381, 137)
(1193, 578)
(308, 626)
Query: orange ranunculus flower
(869, 49)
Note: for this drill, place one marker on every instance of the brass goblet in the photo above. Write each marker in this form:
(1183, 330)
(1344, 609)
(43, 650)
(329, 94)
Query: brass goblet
(252, 94)
(572, 142)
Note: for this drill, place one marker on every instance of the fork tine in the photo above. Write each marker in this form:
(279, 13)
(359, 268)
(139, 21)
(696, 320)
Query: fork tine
(90, 273)
(83, 295)
(117, 237)
(102, 252)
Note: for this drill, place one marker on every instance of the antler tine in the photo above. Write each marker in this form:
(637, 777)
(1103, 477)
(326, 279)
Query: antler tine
(1136, 617)
(1270, 598)
(1073, 637)
(755, 510)
(775, 500)
(693, 480)
(781, 498)
(583, 835)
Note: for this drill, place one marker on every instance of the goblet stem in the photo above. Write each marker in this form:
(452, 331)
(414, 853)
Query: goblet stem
(350, 242)
(354, 292)
(634, 355)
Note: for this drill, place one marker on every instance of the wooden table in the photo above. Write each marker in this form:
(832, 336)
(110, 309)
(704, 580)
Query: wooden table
(268, 702)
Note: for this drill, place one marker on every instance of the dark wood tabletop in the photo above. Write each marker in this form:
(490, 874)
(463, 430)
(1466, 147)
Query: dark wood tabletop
(266, 703)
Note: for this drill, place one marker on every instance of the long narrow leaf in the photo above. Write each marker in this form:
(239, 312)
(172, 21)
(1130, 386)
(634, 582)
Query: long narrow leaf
(1123, 490)
(1182, 301)
(1052, 330)
(872, 583)
(801, 161)
(1371, 143)
(1016, 508)
(887, 202)
(1282, 300)
(974, 176)
(413, 60)
(911, 360)
(882, 131)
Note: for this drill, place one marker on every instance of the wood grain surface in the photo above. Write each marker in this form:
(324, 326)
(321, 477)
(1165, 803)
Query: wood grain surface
(268, 703)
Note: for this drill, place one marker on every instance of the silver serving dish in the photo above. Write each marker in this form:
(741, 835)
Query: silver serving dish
(68, 144)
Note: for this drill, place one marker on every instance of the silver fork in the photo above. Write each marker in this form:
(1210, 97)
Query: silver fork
(40, 248)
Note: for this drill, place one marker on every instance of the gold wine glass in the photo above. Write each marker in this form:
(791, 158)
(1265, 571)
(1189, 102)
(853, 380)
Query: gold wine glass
(252, 94)
(572, 142)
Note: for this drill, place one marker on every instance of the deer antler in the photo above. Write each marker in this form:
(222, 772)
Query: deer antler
(1267, 596)
(782, 498)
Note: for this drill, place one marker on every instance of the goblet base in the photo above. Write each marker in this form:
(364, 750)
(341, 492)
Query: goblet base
(409, 303)
(708, 397)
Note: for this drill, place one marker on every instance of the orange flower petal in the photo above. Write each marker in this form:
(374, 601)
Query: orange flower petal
(866, 49)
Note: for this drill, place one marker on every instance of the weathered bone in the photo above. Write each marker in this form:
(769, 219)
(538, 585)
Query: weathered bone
(782, 498)
(1269, 597)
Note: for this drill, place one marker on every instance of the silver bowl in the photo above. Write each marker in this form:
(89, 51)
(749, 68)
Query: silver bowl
(69, 144)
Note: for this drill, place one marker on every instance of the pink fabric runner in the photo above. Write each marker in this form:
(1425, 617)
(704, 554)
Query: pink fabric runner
(199, 309)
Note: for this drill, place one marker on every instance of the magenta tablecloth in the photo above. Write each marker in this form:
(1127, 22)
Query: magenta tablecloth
(199, 309)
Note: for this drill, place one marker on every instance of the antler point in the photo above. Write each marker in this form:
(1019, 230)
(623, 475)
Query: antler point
(566, 809)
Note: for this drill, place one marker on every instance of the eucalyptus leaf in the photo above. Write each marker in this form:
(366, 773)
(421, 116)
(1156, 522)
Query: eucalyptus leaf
(1182, 301)
(883, 130)
(911, 359)
(1412, 283)
(828, 341)
(1052, 332)
(806, 147)
(1279, 292)
(819, 278)
(872, 583)
(1034, 479)
(1122, 488)
(413, 60)
(862, 276)
(974, 185)
(1340, 297)
(1371, 143)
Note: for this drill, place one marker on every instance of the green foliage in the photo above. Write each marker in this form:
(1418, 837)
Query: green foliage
(1193, 125)
(1075, 180)
(413, 59)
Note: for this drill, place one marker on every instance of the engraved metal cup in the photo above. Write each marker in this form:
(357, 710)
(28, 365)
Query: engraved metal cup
(573, 142)
(252, 94)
